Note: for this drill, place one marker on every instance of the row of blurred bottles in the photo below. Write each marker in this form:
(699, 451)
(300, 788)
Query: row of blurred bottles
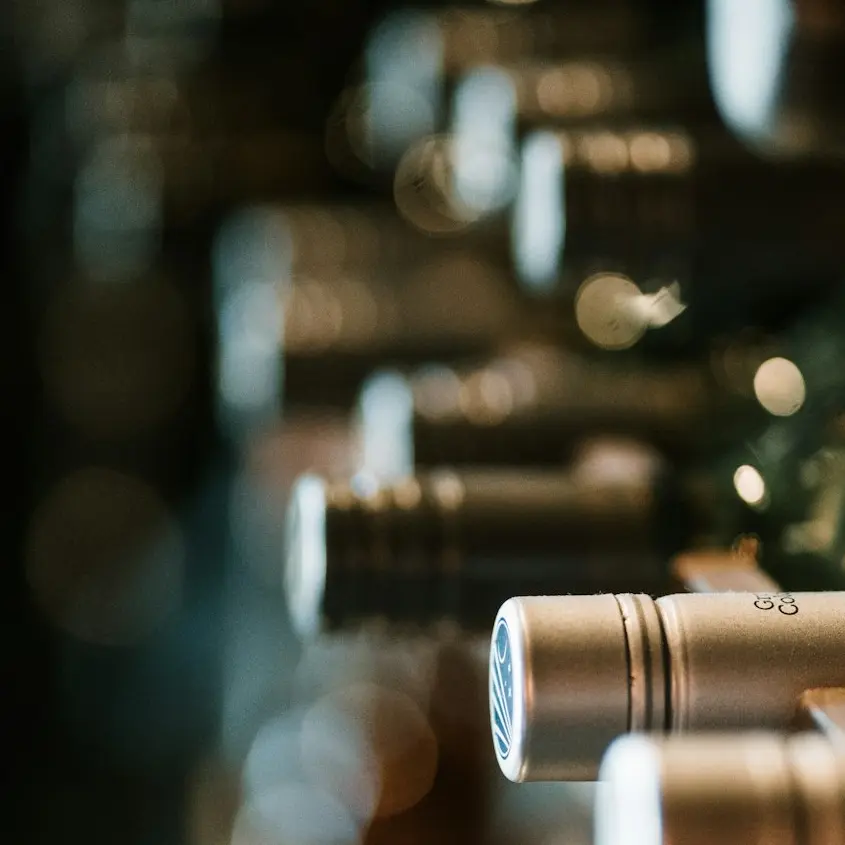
(617, 341)
(584, 313)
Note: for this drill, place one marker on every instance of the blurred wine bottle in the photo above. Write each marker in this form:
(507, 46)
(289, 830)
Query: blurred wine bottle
(534, 404)
(495, 107)
(414, 57)
(453, 544)
(338, 330)
(669, 236)
(776, 68)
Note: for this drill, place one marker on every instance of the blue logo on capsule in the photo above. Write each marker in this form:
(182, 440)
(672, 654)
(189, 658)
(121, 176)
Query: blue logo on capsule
(501, 689)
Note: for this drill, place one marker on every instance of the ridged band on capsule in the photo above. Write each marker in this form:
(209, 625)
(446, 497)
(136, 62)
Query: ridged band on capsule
(647, 666)
(677, 665)
(392, 541)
